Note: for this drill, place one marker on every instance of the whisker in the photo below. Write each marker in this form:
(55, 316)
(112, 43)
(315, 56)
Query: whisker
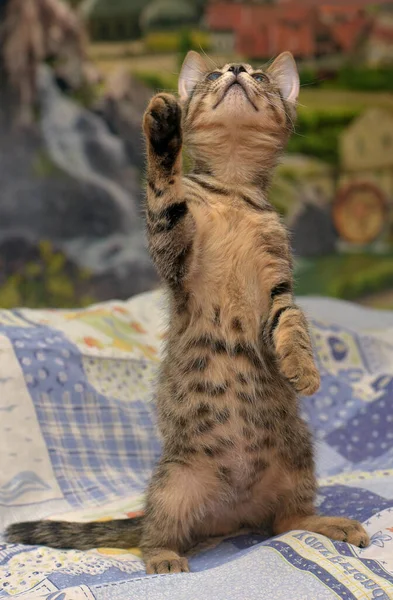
(293, 128)
(208, 57)
(318, 80)
(275, 104)
(267, 64)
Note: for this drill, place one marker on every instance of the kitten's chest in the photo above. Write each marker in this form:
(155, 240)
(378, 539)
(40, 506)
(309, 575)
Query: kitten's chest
(226, 231)
(225, 242)
(228, 260)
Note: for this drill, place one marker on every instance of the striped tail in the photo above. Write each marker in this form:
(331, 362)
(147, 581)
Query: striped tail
(121, 533)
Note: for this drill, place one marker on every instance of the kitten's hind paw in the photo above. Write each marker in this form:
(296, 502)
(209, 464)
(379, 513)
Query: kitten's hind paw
(166, 562)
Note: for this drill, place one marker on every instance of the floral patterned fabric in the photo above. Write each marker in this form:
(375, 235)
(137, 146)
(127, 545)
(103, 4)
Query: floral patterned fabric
(78, 441)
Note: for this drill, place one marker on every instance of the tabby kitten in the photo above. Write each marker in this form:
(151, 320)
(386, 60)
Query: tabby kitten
(236, 452)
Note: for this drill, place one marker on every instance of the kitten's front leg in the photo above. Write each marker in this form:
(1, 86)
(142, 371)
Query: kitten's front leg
(288, 332)
(170, 224)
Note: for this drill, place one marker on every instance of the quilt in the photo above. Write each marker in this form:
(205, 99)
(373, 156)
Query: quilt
(78, 441)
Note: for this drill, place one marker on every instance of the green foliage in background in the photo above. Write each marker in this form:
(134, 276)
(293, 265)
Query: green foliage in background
(174, 41)
(361, 79)
(310, 77)
(347, 276)
(318, 131)
(157, 81)
(46, 282)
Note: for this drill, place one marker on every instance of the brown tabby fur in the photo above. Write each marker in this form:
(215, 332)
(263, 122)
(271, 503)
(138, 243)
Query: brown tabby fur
(236, 452)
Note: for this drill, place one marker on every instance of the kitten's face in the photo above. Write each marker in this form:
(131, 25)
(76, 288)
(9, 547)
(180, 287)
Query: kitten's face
(237, 88)
(237, 94)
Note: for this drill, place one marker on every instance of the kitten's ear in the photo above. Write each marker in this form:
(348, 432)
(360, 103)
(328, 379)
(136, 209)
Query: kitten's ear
(285, 73)
(192, 71)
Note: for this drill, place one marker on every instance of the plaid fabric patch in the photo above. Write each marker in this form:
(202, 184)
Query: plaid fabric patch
(100, 447)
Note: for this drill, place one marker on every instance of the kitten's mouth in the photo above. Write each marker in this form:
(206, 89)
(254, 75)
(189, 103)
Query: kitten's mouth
(233, 84)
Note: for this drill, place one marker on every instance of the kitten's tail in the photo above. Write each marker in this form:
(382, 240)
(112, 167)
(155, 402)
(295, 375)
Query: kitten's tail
(121, 533)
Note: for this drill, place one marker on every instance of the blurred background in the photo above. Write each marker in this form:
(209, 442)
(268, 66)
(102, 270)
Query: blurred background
(75, 79)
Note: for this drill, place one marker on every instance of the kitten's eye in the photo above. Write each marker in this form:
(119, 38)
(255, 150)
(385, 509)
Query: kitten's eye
(260, 77)
(214, 76)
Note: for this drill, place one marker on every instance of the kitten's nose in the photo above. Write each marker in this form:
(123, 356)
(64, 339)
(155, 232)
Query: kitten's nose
(237, 69)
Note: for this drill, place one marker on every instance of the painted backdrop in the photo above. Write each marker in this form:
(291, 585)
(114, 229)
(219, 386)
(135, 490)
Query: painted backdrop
(76, 77)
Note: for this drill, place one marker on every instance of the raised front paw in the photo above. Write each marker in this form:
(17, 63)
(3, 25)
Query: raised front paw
(162, 125)
(298, 367)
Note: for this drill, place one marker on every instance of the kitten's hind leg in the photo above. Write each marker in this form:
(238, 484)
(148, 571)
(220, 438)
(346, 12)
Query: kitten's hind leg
(177, 503)
(296, 511)
(335, 528)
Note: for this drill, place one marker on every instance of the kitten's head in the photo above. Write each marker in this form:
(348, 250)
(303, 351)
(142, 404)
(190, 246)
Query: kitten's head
(254, 107)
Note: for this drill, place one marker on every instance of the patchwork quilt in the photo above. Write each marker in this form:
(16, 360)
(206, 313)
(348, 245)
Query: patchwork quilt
(78, 441)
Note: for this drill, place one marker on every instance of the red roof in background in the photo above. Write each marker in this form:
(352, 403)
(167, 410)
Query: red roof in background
(306, 27)
(347, 34)
(223, 16)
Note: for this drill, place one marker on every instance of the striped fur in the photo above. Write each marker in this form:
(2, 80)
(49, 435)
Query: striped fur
(236, 451)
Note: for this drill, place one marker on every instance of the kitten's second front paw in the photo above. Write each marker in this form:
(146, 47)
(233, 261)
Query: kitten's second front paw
(309, 381)
(162, 124)
(299, 368)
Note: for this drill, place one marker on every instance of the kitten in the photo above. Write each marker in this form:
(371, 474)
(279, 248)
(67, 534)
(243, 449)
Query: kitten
(236, 452)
